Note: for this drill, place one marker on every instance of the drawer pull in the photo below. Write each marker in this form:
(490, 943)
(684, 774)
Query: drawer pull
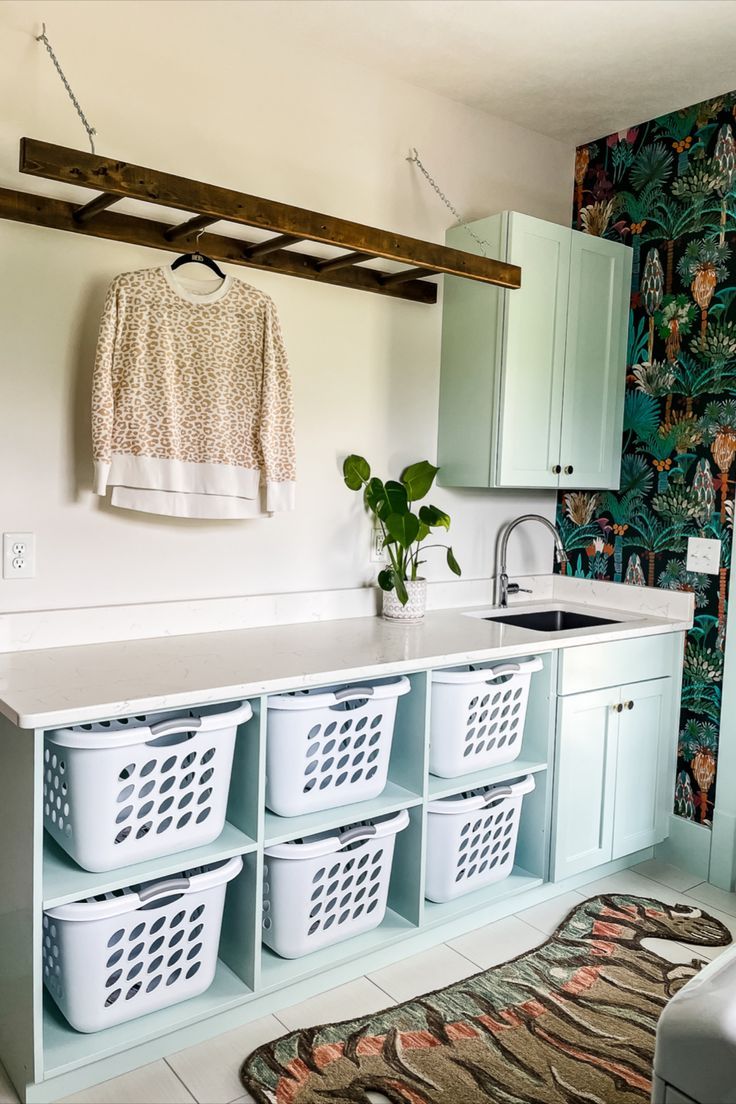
(568, 469)
(629, 705)
(556, 468)
(617, 708)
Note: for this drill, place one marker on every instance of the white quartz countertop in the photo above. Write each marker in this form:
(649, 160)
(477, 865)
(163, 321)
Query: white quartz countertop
(61, 686)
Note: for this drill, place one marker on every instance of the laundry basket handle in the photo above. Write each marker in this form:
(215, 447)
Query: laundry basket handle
(175, 724)
(360, 832)
(497, 795)
(351, 692)
(504, 669)
(163, 889)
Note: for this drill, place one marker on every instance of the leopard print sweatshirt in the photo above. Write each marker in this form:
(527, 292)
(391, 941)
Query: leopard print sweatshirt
(191, 399)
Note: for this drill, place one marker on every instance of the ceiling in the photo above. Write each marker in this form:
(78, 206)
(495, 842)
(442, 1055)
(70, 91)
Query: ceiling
(571, 69)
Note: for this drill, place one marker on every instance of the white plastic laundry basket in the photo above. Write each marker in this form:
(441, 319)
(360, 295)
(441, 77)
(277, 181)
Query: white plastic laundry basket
(117, 956)
(328, 887)
(330, 747)
(119, 792)
(471, 838)
(477, 717)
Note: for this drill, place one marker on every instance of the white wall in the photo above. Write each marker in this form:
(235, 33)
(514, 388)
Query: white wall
(205, 90)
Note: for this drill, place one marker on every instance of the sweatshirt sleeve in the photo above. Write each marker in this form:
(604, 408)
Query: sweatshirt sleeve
(103, 400)
(277, 419)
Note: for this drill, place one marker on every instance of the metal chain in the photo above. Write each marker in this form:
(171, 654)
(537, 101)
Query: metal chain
(416, 160)
(90, 129)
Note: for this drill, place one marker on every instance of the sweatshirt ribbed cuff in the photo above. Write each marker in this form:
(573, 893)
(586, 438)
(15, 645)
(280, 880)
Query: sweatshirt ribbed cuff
(102, 471)
(280, 496)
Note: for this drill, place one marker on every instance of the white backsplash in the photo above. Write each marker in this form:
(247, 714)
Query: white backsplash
(95, 625)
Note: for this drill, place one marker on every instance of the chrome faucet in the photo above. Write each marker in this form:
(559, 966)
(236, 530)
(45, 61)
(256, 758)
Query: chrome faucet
(501, 585)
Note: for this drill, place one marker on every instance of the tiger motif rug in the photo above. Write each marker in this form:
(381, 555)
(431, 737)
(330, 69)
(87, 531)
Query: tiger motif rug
(571, 1022)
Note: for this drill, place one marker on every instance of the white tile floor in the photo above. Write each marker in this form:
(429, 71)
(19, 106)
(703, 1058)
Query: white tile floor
(208, 1073)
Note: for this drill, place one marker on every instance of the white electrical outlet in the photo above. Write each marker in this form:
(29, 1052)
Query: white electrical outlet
(703, 555)
(19, 555)
(378, 552)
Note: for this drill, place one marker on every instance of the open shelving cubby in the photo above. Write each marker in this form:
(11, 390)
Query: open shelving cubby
(63, 881)
(65, 1049)
(531, 866)
(406, 775)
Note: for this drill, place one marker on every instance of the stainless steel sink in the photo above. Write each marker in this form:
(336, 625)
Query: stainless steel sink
(553, 620)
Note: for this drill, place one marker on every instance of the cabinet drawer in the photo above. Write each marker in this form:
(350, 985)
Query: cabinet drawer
(596, 666)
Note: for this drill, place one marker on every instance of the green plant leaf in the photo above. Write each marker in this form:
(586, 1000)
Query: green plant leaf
(386, 579)
(403, 528)
(356, 472)
(401, 591)
(374, 494)
(418, 478)
(434, 517)
(452, 562)
(423, 532)
(396, 497)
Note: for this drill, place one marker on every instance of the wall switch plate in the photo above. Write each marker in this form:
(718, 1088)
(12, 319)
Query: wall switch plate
(703, 555)
(19, 555)
(378, 552)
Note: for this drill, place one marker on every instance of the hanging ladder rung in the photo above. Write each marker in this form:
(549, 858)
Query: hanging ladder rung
(262, 249)
(345, 261)
(408, 274)
(99, 203)
(191, 226)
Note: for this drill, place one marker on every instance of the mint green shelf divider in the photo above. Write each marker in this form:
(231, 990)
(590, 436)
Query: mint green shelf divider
(446, 787)
(282, 829)
(64, 881)
(241, 918)
(519, 881)
(278, 972)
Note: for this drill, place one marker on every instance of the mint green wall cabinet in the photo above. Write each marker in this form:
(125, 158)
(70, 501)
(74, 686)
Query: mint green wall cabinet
(613, 782)
(595, 362)
(532, 381)
(533, 356)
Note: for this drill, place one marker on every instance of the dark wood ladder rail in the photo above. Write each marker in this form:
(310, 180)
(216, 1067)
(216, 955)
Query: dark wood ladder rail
(206, 204)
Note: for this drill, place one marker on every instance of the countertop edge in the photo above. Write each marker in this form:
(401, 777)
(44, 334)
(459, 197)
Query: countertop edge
(221, 692)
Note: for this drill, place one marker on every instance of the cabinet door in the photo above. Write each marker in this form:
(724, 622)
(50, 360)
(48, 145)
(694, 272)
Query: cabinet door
(587, 729)
(643, 782)
(534, 322)
(472, 327)
(595, 362)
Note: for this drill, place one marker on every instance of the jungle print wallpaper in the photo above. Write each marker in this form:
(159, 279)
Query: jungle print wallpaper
(667, 188)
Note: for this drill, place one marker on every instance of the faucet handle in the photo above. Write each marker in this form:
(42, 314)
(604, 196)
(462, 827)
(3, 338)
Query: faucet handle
(514, 588)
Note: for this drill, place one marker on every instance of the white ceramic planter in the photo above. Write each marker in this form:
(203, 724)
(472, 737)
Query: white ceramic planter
(413, 610)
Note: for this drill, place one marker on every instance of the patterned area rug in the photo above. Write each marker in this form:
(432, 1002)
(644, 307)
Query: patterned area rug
(570, 1022)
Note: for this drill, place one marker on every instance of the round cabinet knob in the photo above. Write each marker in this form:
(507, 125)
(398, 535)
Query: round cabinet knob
(568, 469)
(629, 705)
(557, 468)
(618, 708)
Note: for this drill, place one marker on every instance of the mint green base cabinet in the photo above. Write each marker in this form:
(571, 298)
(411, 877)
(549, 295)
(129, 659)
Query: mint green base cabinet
(644, 783)
(532, 381)
(585, 777)
(612, 778)
(614, 772)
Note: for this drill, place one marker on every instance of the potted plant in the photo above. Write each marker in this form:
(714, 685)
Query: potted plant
(404, 532)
